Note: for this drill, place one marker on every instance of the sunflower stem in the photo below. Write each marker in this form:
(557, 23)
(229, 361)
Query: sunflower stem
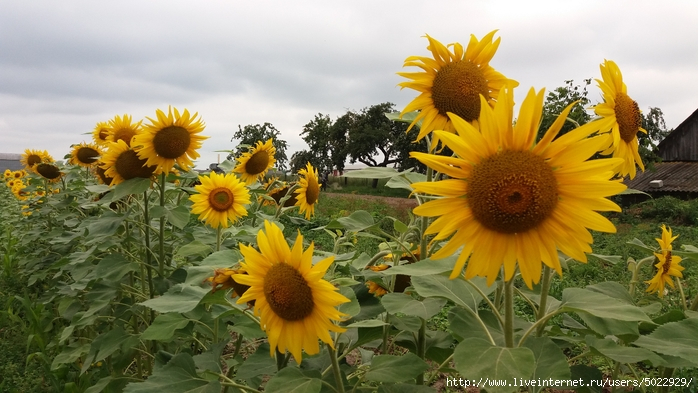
(509, 313)
(422, 347)
(542, 304)
(161, 260)
(149, 268)
(219, 235)
(683, 296)
(424, 224)
(335, 369)
(694, 304)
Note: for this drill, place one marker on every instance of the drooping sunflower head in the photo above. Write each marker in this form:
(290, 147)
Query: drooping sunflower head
(49, 172)
(120, 163)
(452, 82)
(171, 138)
(668, 265)
(221, 199)
(100, 173)
(295, 304)
(621, 119)
(31, 158)
(276, 191)
(254, 164)
(85, 154)
(100, 135)
(308, 194)
(122, 128)
(512, 202)
(223, 280)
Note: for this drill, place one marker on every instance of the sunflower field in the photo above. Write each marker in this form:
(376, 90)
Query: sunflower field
(140, 274)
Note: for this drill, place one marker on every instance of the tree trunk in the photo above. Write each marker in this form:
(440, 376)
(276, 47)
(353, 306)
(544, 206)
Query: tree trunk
(375, 183)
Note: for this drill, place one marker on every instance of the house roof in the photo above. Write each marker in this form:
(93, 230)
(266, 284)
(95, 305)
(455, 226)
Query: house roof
(676, 176)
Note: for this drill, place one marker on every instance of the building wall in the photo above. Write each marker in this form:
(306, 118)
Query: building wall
(682, 143)
(10, 161)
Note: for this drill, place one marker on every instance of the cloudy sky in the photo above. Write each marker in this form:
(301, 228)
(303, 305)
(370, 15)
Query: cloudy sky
(66, 65)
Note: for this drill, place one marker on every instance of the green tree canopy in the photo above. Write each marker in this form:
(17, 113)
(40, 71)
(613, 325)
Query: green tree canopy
(251, 134)
(558, 99)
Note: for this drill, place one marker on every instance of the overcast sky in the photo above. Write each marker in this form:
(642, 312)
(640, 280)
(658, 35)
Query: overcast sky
(66, 65)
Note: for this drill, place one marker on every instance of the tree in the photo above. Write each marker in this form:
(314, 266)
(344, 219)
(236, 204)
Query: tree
(653, 123)
(318, 135)
(557, 100)
(251, 134)
(301, 158)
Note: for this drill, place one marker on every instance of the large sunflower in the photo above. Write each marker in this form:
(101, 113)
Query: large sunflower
(221, 198)
(32, 157)
(172, 138)
(121, 163)
(667, 265)
(50, 172)
(296, 306)
(621, 116)
(511, 200)
(122, 128)
(100, 135)
(255, 163)
(452, 82)
(85, 154)
(308, 193)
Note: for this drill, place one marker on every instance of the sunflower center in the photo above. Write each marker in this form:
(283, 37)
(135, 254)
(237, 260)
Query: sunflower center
(33, 159)
(512, 191)
(257, 163)
(129, 166)
(124, 134)
(313, 191)
(221, 199)
(171, 142)
(628, 117)
(667, 263)
(103, 134)
(48, 171)
(87, 155)
(457, 88)
(287, 292)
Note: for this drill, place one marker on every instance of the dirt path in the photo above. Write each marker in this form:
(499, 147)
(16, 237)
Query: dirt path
(397, 203)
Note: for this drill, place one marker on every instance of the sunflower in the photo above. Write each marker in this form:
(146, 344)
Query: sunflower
(32, 157)
(7, 174)
(254, 164)
(100, 135)
(512, 200)
(667, 265)
(170, 139)
(277, 190)
(221, 198)
(452, 82)
(122, 129)
(85, 154)
(296, 306)
(622, 117)
(49, 172)
(309, 191)
(223, 279)
(100, 173)
(121, 163)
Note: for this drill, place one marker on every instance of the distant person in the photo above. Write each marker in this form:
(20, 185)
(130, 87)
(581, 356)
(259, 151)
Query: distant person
(324, 180)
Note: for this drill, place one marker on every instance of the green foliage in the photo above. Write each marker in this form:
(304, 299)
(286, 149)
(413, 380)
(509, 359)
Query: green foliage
(558, 99)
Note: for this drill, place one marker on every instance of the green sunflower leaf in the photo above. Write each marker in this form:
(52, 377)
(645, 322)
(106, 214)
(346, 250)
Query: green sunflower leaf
(389, 368)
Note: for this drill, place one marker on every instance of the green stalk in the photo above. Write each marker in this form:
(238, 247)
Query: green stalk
(219, 236)
(146, 230)
(509, 313)
(544, 289)
(683, 296)
(335, 369)
(422, 347)
(694, 304)
(161, 265)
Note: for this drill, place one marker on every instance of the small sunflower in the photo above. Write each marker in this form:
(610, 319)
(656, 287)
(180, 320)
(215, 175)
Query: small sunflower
(221, 198)
(622, 117)
(85, 154)
(100, 135)
(223, 279)
(295, 304)
(49, 171)
(122, 128)
(510, 200)
(667, 265)
(254, 164)
(121, 163)
(277, 190)
(452, 82)
(172, 138)
(7, 174)
(32, 157)
(308, 193)
(100, 173)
